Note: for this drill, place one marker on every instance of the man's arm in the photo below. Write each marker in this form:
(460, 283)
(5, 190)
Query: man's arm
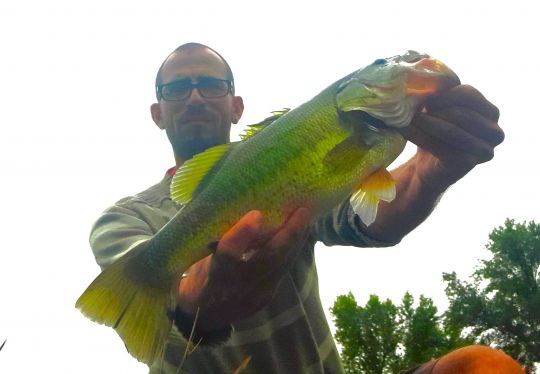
(116, 232)
(457, 131)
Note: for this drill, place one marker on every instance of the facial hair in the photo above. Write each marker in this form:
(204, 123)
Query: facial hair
(185, 149)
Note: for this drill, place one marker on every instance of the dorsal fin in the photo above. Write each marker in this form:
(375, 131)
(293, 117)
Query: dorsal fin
(256, 127)
(189, 175)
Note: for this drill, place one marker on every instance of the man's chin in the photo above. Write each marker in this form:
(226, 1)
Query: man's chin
(187, 149)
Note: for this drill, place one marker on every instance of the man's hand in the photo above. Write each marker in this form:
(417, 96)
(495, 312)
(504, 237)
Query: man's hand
(243, 274)
(457, 131)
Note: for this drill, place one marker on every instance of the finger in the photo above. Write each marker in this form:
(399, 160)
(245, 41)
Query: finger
(426, 142)
(198, 272)
(473, 123)
(191, 285)
(292, 232)
(446, 140)
(463, 96)
(239, 237)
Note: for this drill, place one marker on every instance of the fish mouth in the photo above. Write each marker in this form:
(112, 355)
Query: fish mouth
(429, 75)
(386, 94)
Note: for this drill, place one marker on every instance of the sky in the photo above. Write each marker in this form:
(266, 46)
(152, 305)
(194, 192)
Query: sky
(76, 85)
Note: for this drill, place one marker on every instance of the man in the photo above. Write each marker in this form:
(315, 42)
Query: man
(253, 304)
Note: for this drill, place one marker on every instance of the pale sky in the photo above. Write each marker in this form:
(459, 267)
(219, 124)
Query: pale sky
(76, 85)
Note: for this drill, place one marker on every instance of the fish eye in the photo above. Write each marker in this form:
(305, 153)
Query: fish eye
(379, 61)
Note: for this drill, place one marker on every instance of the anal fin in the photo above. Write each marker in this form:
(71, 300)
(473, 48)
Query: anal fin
(377, 186)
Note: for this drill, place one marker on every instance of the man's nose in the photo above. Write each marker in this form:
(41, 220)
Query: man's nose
(195, 97)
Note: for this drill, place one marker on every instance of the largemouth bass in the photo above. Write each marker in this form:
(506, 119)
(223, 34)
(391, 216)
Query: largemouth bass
(334, 147)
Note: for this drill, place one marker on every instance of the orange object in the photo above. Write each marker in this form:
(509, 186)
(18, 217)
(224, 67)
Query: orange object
(473, 359)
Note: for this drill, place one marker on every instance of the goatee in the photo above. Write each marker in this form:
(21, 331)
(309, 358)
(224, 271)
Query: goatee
(187, 149)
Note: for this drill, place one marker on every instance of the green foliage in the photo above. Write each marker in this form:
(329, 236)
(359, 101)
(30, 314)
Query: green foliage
(423, 337)
(381, 337)
(370, 346)
(500, 306)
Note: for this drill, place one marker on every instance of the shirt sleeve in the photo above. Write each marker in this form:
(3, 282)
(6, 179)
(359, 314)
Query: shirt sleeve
(343, 227)
(119, 229)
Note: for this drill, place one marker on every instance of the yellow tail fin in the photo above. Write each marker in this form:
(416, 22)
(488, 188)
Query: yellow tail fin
(137, 311)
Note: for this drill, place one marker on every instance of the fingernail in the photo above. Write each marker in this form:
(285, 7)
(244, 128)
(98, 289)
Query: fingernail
(256, 216)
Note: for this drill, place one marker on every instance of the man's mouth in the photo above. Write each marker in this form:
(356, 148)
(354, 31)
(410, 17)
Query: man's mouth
(195, 118)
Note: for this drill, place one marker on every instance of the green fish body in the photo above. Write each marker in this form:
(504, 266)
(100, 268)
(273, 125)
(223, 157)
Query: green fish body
(335, 146)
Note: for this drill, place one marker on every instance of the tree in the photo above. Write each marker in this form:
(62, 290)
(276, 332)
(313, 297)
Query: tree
(367, 334)
(381, 337)
(500, 306)
(423, 336)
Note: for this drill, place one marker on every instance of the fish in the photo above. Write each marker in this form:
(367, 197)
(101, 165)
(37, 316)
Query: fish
(333, 147)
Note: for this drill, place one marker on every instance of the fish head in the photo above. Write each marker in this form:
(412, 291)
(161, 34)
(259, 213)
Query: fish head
(391, 90)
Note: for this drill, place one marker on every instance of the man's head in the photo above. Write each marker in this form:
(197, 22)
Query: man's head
(196, 103)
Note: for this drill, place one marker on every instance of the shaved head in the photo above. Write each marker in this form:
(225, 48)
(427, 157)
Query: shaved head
(189, 47)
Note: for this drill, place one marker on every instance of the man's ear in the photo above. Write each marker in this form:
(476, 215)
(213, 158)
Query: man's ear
(155, 110)
(238, 108)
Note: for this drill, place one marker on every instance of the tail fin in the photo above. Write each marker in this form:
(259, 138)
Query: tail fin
(137, 311)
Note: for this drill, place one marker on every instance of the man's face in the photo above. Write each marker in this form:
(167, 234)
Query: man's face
(196, 123)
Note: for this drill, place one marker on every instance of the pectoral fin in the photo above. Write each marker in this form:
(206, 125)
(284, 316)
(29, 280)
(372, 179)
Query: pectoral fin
(345, 154)
(378, 186)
